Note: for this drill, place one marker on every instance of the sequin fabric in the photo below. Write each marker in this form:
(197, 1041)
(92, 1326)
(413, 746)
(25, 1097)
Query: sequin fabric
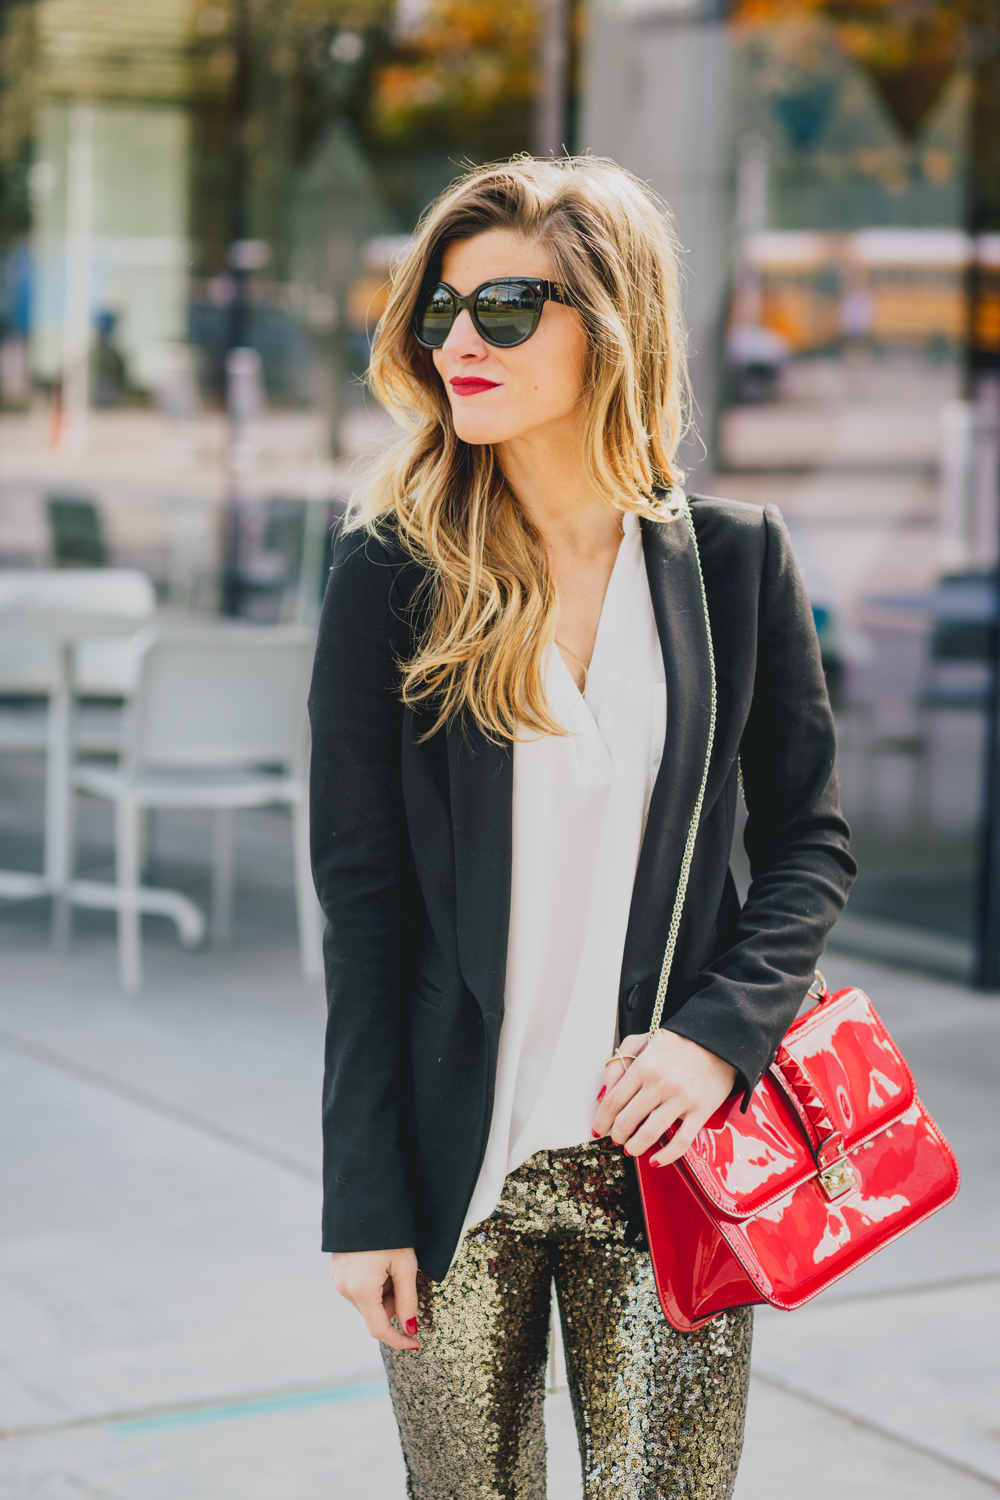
(659, 1414)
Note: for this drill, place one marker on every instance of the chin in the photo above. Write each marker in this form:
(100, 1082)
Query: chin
(478, 431)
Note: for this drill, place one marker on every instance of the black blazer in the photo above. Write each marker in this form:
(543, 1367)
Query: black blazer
(412, 861)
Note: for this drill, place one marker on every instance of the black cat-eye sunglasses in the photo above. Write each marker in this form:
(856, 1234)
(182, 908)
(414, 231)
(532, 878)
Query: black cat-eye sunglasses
(505, 312)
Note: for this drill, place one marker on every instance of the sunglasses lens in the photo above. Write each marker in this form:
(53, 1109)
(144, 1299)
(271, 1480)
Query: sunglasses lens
(507, 312)
(438, 316)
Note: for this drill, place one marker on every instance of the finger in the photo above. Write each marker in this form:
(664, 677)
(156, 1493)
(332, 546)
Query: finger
(650, 1130)
(614, 1070)
(634, 1044)
(615, 1098)
(654, 1095)
(388, 1299)
(630, 1049)
(370, 1303)
(404, 1283)
(679, 1142)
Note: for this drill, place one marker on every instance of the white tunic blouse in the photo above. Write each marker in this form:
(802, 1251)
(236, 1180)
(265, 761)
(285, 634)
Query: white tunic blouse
(580, 805)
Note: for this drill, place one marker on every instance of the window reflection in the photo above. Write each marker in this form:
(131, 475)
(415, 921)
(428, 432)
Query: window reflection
(856, 393)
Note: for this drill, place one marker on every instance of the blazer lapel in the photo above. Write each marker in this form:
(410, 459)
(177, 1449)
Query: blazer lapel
(675, 590)
(481, 776)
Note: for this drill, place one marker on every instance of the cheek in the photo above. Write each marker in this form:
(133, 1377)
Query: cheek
(558, 380)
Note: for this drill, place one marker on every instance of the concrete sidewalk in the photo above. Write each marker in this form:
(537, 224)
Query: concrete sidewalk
(168, 1328)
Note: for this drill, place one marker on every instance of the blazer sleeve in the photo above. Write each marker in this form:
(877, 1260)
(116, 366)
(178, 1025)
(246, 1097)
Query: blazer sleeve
(364, 877)
(796, 837)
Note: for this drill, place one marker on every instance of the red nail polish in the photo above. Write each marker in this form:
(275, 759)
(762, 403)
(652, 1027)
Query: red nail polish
(601, 1095)
(627, 1151)
(595, 1135)
(411, 1327)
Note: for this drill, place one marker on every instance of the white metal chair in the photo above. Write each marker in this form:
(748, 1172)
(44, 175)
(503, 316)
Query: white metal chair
(217, 722)
(94, 591)
(102, 668)
(38, 665)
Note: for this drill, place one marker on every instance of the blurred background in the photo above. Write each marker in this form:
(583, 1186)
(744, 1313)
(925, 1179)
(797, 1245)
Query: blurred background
(200, 205)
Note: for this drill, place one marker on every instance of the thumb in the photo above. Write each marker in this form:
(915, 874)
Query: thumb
(404, 1291)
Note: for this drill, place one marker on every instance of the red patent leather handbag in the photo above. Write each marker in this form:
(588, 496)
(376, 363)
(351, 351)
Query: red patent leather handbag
(834, 1158)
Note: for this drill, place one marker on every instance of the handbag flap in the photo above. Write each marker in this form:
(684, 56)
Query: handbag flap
(744, 1161)
(853, 1063)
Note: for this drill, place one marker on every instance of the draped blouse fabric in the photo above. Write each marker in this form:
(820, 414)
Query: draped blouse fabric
(580, 806)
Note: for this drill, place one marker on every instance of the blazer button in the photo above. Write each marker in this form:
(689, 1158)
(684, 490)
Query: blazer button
(632, 999)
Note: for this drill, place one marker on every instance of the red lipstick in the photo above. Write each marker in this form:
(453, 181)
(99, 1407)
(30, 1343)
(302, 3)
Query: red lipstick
(471, 385)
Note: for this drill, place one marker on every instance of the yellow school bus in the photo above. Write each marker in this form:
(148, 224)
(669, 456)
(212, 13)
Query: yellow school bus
(791, 285)
(884, 287)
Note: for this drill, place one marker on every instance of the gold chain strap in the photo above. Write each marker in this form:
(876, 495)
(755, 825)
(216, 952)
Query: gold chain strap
(682, 884)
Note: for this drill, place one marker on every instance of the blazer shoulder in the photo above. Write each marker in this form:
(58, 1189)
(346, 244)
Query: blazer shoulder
(736, 518)
(366, 548)
(732, 535)
(375, 561)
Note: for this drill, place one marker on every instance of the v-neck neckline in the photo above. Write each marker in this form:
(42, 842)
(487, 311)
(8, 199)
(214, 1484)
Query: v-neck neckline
(611, 628)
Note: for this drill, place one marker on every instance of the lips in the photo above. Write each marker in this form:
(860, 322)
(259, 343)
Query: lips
(471, 386)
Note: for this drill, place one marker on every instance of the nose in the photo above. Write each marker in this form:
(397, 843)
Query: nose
(463, 342)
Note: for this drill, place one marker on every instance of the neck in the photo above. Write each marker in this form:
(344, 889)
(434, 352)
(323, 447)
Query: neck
(546, 473)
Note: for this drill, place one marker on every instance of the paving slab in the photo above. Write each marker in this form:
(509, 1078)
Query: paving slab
(922, 1368)
(347, 1450)
(796, 1450)
(149, 1261)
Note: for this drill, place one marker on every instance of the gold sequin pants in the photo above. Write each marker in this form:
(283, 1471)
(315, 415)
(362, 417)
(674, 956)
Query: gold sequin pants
(659, 1414)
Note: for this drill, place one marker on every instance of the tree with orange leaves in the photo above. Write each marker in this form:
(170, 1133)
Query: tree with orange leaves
(464, 75)
(909, 48)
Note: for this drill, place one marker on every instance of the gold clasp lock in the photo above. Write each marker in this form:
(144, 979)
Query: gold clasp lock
(838, 1179)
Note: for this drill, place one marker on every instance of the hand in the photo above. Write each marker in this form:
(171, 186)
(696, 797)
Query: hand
(671, 1079)
(381, 1284)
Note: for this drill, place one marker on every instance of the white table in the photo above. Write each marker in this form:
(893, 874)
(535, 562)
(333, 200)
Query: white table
(64, 630)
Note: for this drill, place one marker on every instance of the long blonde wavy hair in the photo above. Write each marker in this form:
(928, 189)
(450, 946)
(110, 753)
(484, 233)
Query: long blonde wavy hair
(491, 604)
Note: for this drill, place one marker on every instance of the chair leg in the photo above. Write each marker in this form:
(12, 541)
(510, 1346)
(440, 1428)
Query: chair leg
(127, 840)
(62, 907)
(57, 800)
(222, 876)
(145, 813)
(309, 912)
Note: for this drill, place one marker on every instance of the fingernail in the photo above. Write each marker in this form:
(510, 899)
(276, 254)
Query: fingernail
(601, 1095)
(596, 1135)
(627, 1151)
(411, 1327)
(654, 1163)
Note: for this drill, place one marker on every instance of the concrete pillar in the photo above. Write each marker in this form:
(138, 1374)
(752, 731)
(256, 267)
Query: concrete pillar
(657, 97)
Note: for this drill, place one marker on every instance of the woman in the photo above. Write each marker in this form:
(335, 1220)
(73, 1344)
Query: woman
(510, 713)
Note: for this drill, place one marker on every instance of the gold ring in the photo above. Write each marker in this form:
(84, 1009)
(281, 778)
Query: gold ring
(620, 1057)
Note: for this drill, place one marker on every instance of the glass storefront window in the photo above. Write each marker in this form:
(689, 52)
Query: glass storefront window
(200, 205)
